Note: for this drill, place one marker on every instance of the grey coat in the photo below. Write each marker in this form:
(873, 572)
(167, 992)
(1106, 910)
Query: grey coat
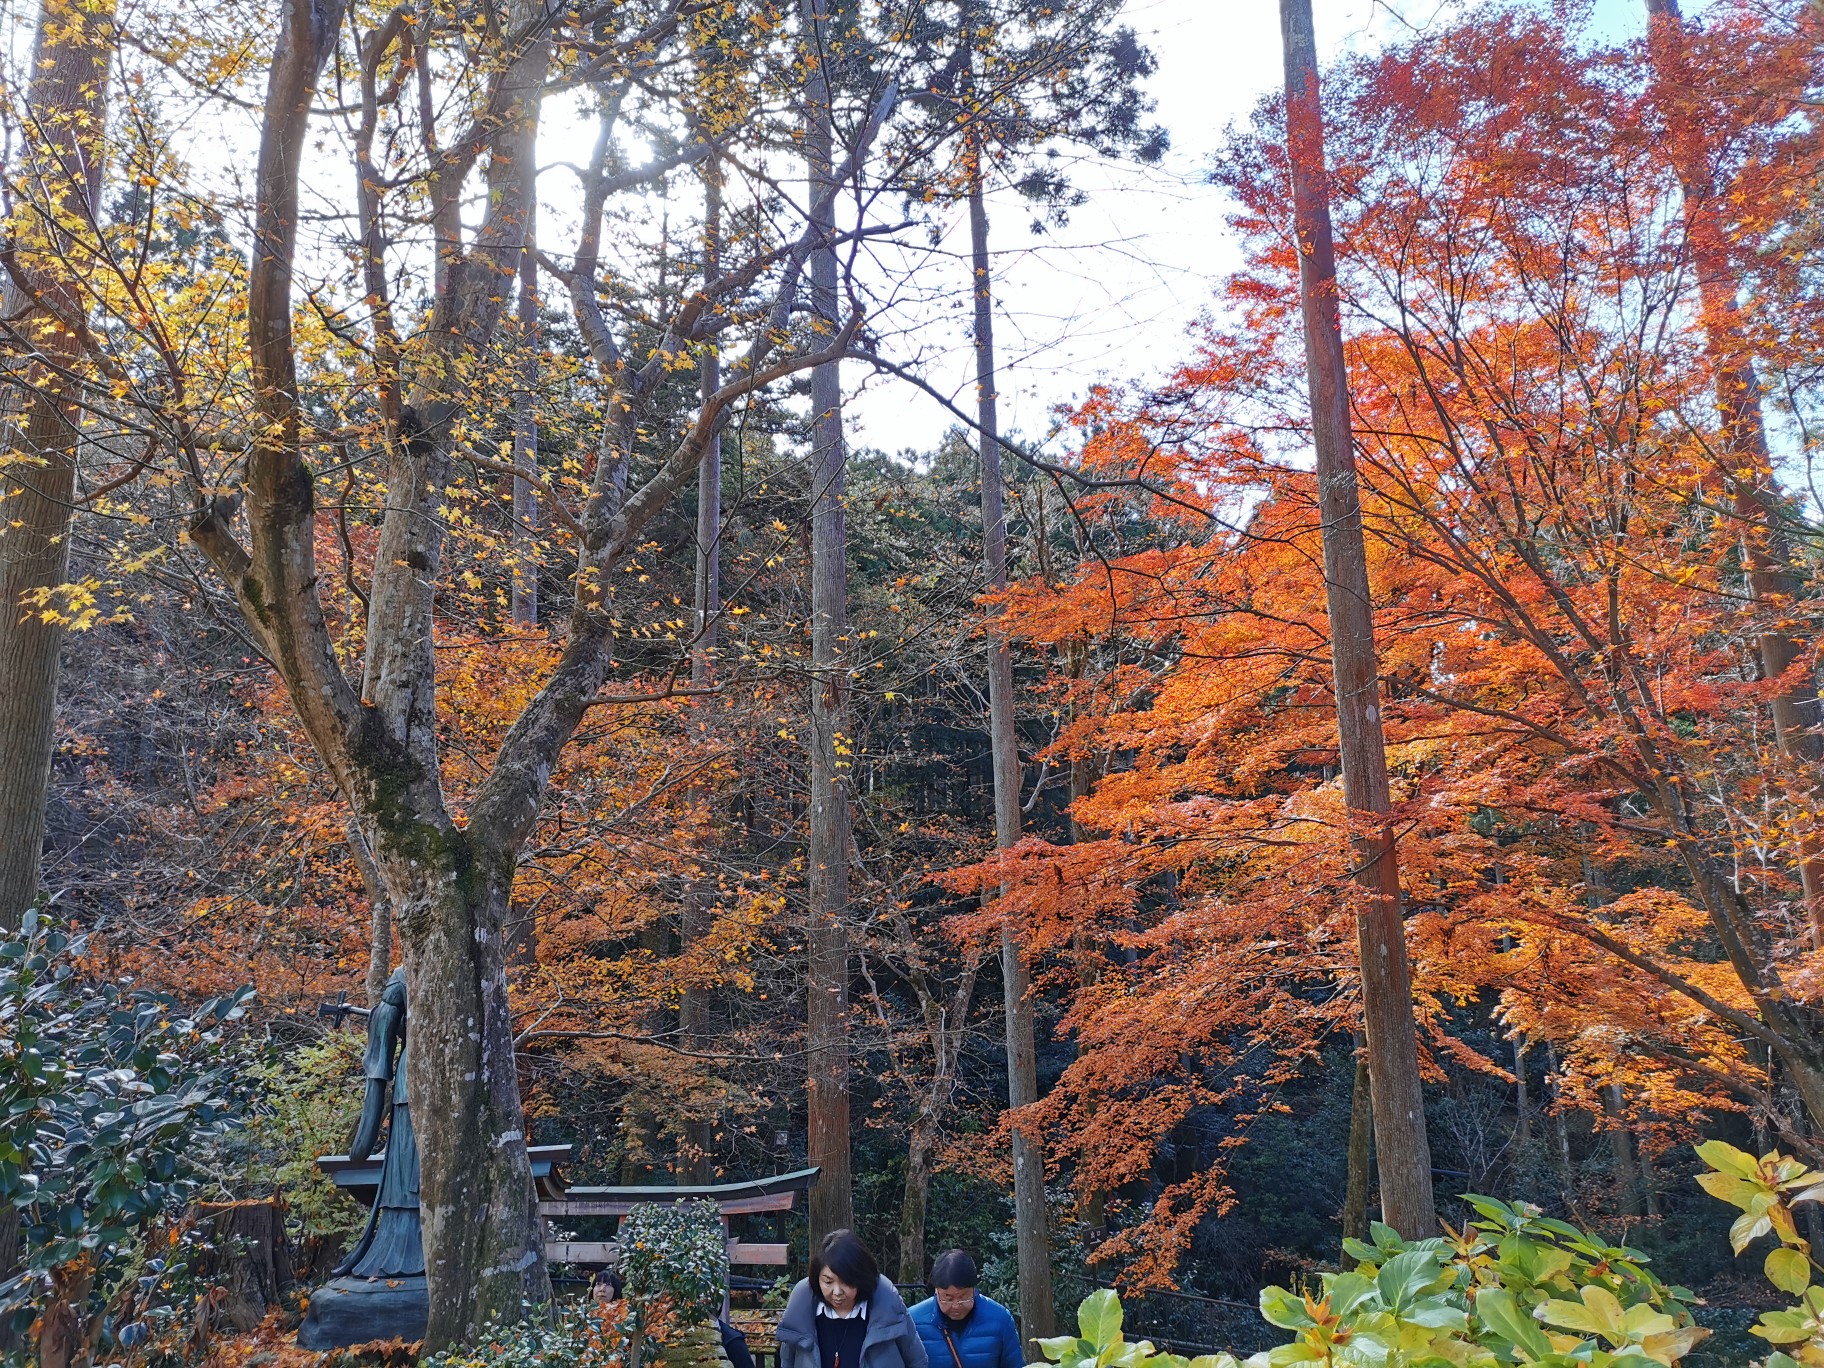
(891, 1342)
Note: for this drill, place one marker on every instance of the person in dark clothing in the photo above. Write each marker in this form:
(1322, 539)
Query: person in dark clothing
(845, 1315)
(734, 1345)
(959, 1326)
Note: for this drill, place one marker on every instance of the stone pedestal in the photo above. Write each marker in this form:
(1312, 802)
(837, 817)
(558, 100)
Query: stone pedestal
(347, 1311)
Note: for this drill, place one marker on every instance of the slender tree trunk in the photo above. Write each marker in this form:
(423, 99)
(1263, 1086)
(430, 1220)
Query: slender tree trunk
(914, 1204)
(1361, 1153)
(1621, 1150)
(1523, 1107)
(1746, 463)
(1029, 1213)
(523, 605)
(694, 1162)
(827, 980)
(380, 915)
(1401, 1145)
(72, 54)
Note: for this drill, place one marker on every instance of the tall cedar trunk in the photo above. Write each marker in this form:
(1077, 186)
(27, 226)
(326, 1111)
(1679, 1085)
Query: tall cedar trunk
(71, 56)
(694, 1162)
(915, 1203)
(1401, 1144)
(1361, 1154)
(1029, 1214)
(827, 976)
(72, 53)
(524, 602)
(1747, 466)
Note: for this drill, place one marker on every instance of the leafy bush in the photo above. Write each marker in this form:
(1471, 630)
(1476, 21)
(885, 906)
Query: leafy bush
(578, 1336)
(1515, 1287)
(1102, 1345)
(307, 1105)
(110, 1103)
(676, 1256)
(1765, 1190)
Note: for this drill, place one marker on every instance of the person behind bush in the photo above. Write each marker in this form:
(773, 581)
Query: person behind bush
(845, 1315)
(960, 1327)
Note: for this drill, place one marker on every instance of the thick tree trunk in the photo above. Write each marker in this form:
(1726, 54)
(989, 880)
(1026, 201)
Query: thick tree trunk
(1361, 1154)
(1401, 1145)
(72, 54)
(483, 1243)
(1621, 1150)
(1743, 455)
(1029, 1212)
(827, 977)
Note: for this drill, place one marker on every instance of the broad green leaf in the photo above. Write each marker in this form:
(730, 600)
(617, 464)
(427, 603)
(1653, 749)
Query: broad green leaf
(1405, 1276)
(1788, 1270)
(1726, 1158)
(1502, 1313)
(1099, 1318)
(1783, 1327)
(1747, 1228)
(1284, 1309)
(1346, 1291)
(1057, 1346)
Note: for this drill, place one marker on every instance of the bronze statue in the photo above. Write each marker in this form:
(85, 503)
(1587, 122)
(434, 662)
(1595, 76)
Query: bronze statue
(392, 1246)
(378, 1291)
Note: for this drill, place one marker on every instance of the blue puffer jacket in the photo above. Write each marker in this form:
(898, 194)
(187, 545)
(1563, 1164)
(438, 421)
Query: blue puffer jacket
(891, 1341)
(988, 1339)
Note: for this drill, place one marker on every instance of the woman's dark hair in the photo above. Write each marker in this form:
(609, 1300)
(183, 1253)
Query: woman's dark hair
(954, 1269)
(609, 1278)
(843, 1253)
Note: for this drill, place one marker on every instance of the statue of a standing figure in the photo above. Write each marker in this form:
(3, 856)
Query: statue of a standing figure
(392, 1246)
(378, 1292)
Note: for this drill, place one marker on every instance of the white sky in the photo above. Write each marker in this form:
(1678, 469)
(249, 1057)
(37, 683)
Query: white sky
(1112, 296)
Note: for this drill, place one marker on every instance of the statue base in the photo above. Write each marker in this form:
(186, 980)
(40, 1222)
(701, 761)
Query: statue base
(346, 1311)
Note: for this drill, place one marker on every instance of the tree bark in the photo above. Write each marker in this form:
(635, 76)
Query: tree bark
(1361, 1154)
(1401, 1144)
(694, 1162)
(1621, 1150)
(827, 976)
(72, 54)
(915, 1204)
(523, 604)
(1031, 1232)
(380, 915)
(1746, 465)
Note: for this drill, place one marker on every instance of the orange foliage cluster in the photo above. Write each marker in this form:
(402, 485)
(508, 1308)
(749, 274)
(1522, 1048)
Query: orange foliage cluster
(1597, 831)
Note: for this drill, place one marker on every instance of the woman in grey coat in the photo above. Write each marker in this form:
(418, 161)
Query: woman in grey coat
(845, 1315)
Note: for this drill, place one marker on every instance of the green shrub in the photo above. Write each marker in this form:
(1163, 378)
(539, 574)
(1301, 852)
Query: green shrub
(307, 1105)
(676, 1256)
(1515, 1287)
(578, 1336)
(111, 1105)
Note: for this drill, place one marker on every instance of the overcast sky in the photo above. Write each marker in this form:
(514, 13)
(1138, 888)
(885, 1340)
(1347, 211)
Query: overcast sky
(1112, 295)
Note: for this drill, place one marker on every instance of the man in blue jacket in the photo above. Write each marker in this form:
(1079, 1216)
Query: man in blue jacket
(959, 1326)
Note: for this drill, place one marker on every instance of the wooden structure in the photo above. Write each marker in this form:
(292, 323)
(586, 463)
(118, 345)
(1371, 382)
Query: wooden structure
(361, 1179)
(760, 1195)
(557, 1202)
